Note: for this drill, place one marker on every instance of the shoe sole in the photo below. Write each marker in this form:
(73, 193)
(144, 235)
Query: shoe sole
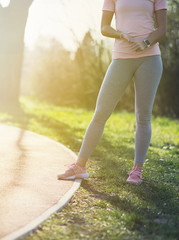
(134, 182)
(81, 176)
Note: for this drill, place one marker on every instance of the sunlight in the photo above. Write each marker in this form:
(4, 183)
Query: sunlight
(66, 21)
(4, 3)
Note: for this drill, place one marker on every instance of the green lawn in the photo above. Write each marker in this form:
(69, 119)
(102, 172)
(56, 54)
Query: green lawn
(105, 206)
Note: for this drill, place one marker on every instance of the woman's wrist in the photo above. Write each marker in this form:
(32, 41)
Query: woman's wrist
(147, 43)
(119, 34)
(124, 36)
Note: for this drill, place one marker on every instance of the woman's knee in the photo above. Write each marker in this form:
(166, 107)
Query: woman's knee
(143, 118)
(100, 116)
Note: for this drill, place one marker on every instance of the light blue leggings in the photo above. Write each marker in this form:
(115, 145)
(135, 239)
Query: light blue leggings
(147, 73)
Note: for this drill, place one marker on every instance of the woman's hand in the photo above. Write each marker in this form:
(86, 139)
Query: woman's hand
(125, 36)
(135, 45)
(138, 46)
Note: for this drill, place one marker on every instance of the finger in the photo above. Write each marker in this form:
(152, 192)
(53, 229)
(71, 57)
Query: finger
(134, 46)
(126, 37)
(138, 50)
(137, 47)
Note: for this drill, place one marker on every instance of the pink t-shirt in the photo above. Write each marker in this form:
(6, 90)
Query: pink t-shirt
(135, 17)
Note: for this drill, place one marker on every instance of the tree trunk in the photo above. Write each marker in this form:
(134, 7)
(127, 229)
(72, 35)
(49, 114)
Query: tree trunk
(12, 28)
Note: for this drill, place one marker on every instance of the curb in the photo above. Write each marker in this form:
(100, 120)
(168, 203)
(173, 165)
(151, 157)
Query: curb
(27, 229)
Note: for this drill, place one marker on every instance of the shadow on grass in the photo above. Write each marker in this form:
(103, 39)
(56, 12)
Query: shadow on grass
(160, 209)
(62, 131)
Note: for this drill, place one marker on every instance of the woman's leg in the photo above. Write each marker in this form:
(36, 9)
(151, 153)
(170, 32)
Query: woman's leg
(118, 76)
(147, 78)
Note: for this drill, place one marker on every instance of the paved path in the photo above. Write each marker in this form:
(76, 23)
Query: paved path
(29, 191)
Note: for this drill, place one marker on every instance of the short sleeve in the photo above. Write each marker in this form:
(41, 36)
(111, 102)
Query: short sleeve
(109, 5)
(160, 4)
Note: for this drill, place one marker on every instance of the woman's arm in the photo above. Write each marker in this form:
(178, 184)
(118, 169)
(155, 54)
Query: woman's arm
(158, 34)
(161, 20)
(106, 28)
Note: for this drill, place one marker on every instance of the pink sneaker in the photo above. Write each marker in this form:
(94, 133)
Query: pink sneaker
(73, 172)
(135, 175)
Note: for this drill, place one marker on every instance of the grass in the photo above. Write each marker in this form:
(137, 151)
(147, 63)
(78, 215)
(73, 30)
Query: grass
(105, 206)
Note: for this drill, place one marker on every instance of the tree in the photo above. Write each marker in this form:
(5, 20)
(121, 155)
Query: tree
(91, 60)
(168, 97)
(12, 28)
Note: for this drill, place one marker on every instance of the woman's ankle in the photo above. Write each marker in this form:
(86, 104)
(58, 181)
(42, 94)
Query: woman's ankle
(138, 165)
(81, 162)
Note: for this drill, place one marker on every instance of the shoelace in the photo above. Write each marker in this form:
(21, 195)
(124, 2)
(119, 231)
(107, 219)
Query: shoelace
(77, 169)
(137, 171)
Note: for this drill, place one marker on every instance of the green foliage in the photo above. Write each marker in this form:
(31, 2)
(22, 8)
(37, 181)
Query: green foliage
(168, 97)
(59, 77)
(91, 61)
(52, 74)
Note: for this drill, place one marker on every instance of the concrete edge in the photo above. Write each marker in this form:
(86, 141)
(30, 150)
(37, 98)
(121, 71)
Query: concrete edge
(27, 229)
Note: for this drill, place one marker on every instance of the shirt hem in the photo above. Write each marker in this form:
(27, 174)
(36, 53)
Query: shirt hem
(122, 57)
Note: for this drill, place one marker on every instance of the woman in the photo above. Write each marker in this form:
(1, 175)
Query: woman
(136, 54)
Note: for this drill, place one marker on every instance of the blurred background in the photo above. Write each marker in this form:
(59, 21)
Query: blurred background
(66, 57)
